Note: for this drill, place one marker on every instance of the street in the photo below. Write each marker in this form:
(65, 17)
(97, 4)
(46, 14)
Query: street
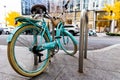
(93, 42)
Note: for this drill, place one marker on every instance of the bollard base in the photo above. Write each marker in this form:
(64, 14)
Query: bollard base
(80, 71)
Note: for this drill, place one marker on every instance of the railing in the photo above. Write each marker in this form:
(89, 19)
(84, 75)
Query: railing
(83, 39)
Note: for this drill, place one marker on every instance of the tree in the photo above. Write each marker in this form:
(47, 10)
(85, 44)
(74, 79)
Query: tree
(113, 12)
(10, 18)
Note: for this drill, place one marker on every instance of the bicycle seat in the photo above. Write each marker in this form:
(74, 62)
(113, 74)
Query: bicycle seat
(25, 19)
(38, 9)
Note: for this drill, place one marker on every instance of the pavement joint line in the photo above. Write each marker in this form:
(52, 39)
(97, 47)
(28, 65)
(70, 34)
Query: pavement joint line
(103, 69)
(12, 75)
(104, 49)
(65, 63)
(59, 73)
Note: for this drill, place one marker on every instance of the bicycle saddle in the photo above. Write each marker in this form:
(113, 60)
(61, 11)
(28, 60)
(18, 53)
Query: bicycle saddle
(38, 9)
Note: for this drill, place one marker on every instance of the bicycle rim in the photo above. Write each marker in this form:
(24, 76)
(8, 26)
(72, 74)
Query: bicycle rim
(68, 44)
(21, 57)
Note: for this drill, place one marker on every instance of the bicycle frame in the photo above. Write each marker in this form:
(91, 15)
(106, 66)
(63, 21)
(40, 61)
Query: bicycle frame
(51, 44)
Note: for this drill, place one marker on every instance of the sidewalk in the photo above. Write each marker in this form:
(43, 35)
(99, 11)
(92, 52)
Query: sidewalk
(102, 64)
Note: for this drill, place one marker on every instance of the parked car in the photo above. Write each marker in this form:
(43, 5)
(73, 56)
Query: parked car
(1, 31)
(92, 32)
(7, 30)
(73, 29)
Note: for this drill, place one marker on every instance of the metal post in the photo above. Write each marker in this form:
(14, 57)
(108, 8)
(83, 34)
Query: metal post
(86, 35)
(83, 38)
(81, 44)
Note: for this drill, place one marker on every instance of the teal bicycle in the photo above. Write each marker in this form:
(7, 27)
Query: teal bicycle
(31, 46)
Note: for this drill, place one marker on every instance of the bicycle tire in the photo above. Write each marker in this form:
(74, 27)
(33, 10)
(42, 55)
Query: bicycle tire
(21, 61)
(69, 47)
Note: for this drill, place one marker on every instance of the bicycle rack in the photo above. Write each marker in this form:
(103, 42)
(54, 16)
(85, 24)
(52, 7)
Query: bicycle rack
(83, 39)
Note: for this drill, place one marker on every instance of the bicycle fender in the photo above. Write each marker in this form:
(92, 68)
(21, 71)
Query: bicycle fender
(9, 38)
(71, 36)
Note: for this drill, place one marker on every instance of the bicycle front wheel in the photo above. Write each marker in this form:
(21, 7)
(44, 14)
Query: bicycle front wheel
(68, 44)
(20, 55)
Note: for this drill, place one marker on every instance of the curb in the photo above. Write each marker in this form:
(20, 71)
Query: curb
(104, 49)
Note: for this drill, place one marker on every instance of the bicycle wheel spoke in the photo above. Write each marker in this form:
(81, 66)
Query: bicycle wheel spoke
(21, 42)
(65, 41)
(21, 51)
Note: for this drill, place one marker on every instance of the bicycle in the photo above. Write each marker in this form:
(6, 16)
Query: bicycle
(30, 45)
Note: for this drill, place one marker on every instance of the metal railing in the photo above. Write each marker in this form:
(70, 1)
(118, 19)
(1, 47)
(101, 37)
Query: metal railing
(83, 39)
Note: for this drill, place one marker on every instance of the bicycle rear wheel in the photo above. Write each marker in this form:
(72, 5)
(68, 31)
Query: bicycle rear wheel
(67, 44)
(20, 56)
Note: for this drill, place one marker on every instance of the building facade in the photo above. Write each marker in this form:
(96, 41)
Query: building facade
(95, 7)
(51, 5)
(27, 4)
(57, 5)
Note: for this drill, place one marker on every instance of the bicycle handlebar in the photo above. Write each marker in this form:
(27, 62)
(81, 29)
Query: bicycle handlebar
(38, 9)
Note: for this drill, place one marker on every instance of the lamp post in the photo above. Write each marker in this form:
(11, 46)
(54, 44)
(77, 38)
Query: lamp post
(5, 15)
(75, 9)
(48, 6)
(94, 15)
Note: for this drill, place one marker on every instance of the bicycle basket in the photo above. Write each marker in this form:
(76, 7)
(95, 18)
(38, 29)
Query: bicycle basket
(55, 21)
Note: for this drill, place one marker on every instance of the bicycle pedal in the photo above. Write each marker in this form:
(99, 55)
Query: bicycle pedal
(40, 60)
(40, 55)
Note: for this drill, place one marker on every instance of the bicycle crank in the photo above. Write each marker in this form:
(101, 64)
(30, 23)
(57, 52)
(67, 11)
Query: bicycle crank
(37, 52)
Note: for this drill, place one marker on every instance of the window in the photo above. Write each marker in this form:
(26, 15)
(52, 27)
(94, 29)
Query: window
(27, 4)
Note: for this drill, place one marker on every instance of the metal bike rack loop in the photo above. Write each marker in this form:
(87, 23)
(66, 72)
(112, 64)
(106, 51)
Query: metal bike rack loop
(83, 39)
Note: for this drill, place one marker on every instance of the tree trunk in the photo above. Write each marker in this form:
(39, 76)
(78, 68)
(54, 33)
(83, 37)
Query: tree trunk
(112, 27)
